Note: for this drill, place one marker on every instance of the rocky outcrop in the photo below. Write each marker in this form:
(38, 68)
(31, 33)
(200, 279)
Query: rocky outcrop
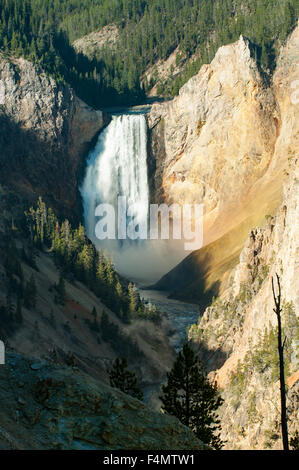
(105, 37)
(163, 70)
(65, 409)
(45, 132)
(231, 142)
(226, 142)
(238, 333)
(220, 129)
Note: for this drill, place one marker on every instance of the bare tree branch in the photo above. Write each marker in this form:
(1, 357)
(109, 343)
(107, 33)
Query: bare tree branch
(281, 345)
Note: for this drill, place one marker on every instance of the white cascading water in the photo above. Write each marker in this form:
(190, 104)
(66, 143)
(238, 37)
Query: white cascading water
(118, 167)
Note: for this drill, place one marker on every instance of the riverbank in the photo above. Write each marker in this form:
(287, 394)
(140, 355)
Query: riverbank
(177, 315)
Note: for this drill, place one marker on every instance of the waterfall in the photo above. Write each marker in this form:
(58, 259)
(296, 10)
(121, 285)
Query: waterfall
(117, 166)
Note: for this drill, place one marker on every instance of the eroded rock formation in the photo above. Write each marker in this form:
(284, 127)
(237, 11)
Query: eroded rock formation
(45, 132)
(238, 333)
(231, 142)
(226, 142)
(45, 406)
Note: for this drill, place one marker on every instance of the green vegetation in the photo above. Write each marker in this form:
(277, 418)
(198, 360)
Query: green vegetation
(294, 441)
(43, 30)
(260, 368)
(77, 257)
(263, 358)
(190, 397)
(126, 381)
(119, 341)
(271, 435)
(262, 361)
(226, 316)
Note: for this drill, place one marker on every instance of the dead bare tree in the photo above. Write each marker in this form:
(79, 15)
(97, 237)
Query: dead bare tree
(281, 345)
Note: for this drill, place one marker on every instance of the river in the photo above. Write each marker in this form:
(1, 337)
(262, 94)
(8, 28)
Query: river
(179, 314)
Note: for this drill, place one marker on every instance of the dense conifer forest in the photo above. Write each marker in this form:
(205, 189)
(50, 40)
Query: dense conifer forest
(43, 31)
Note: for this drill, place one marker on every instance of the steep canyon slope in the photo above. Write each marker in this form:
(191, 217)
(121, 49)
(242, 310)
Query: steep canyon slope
(225, 141)
(45, 133)
(237, 334)
(230, 140)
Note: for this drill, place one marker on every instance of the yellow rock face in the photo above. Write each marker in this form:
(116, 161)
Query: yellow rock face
(227, 141)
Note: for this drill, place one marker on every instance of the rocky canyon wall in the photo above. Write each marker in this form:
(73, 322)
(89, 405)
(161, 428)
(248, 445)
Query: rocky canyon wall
(45, 132)
(229, 140)
(226, 142)
(237, 334)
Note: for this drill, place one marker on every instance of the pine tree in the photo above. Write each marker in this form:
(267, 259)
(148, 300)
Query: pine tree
(101, 272)
(95, 326)
(133, 301)
(190, 397)
(110, 273)
(124, 380)
(85, 262)
(94, 312)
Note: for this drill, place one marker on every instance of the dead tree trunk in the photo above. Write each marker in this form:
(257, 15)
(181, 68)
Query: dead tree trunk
(281, 344)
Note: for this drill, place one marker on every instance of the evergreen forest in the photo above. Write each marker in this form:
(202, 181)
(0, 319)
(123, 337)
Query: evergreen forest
(43, 31)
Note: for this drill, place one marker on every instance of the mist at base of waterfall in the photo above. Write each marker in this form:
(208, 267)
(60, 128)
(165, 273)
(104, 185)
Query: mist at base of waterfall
(143, 262)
